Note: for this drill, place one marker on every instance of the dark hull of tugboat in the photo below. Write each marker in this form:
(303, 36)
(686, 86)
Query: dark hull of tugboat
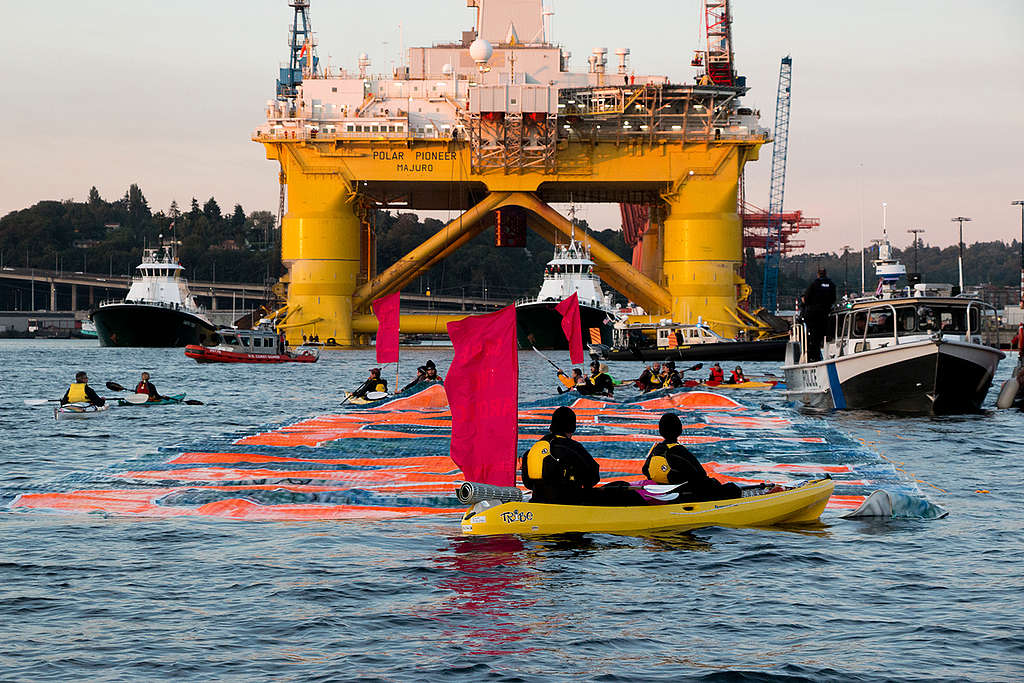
(540, 325)
(204, 354)
(729, 351)
(141, 325)
(944, 378)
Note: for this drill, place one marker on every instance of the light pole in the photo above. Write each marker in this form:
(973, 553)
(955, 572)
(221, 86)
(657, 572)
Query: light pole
(915, 232)
(846, 270)
(960, 258)
(1020, 203)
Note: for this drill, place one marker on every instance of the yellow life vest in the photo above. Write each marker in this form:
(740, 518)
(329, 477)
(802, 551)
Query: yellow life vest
(535, 459)
(381, 387)
(658, 467)
(76, 393)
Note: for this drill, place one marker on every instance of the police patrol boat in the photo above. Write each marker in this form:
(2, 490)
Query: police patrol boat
(159, 309)
(920, 350)
(263, 344)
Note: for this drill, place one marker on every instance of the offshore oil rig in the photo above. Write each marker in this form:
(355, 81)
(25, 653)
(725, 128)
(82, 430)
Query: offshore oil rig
(496, 125)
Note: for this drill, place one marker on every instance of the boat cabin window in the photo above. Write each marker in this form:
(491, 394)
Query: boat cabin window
(880, 323)
(244, 339)
(230, 340)
(949, 319)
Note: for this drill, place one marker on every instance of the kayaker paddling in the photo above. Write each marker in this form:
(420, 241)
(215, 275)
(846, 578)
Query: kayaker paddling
(81, 392)
(146, 387)
(424, 373)
(373, 383)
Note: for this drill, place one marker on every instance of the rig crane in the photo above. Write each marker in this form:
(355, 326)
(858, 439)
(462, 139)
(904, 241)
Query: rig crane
(773, 251)
(302, 59)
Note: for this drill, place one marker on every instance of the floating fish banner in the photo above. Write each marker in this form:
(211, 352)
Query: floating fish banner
(390, 460)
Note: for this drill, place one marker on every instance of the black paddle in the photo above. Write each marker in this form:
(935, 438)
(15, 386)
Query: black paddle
(558, 369)
(114, 386)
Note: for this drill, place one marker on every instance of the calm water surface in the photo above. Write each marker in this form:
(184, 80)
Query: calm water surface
(115, 598)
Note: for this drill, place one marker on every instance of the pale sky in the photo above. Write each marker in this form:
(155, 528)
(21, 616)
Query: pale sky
(916, 103)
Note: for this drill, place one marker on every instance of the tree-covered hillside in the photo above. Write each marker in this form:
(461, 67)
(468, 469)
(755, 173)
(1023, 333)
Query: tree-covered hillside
(99, 236)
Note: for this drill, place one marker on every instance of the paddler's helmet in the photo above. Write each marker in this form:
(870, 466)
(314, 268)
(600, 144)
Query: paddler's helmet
(670, 427)
(563, 421)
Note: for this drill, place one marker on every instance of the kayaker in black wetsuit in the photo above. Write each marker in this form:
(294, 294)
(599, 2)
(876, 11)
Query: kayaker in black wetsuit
(81, 392)
(432, 375)
(599, 383)
(146, 387)
(421, 373)
(373, 383)
(669, 462)
(670, 376)
(424, 373)
(558, 469)
(650, 378)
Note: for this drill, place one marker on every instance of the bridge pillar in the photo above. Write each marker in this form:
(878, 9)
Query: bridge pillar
(702, 241)
(74, 297)
(53, 295)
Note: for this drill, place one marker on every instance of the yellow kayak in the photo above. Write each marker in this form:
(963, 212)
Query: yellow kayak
(741, 385)
(800, 505)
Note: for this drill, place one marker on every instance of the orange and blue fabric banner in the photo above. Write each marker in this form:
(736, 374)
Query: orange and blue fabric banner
(386, 309)
(569, 309)
(483, 394)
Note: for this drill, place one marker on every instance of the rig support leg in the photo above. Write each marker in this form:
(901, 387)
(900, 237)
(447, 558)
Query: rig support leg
(702, 242)
(320, 249)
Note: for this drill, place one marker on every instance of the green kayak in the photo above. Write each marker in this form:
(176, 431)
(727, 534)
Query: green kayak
(177, 398)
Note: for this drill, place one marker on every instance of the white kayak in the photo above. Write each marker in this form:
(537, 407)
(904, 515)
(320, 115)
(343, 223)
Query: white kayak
(78, 411)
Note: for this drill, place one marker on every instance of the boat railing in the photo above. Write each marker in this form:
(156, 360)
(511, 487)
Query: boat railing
(170, 305)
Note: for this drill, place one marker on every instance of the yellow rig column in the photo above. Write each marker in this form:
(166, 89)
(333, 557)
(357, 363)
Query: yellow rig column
(320, 248)
(702, 247)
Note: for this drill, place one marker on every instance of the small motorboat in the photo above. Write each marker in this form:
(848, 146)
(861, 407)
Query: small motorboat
(259, 345)
(801, 504)
(79, 411)
(924, 349)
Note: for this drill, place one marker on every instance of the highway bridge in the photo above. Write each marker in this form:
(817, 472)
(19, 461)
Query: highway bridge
(34, 289)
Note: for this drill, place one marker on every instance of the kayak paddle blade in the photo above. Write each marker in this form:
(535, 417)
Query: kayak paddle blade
(114, 386)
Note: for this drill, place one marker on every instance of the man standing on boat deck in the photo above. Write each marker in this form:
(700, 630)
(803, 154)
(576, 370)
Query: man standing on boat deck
(818, 301)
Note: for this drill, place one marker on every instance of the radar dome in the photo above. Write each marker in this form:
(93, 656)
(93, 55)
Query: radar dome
(480, 50)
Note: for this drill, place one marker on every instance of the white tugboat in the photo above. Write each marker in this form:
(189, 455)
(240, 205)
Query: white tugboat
(917, 350)
(571, 271)
(159, 310)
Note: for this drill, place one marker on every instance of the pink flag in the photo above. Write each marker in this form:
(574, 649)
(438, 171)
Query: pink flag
(570, 311)
(386, 310)
(483, 392)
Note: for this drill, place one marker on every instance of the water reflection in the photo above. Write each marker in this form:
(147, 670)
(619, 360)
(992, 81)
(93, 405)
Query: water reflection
(486, 576)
